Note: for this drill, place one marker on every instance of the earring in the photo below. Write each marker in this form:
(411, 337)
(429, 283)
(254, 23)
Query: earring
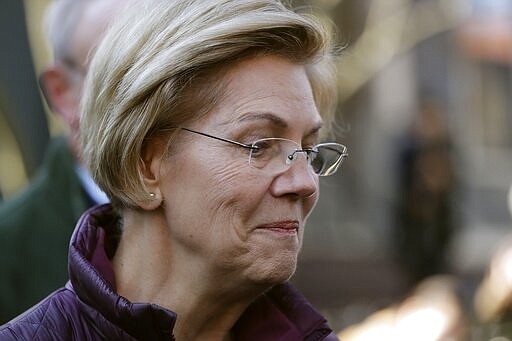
(152, 195)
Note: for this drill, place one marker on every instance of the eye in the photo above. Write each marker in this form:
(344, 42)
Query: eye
(262, 148)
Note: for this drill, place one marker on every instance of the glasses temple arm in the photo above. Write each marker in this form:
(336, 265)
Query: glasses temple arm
(220, 139)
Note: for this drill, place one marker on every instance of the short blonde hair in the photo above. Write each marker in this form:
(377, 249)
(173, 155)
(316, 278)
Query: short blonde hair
(140, 79)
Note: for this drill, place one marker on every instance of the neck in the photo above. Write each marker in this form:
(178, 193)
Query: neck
(150, 267)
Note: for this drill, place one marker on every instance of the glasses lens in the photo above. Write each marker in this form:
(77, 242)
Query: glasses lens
(273, 154)
(328, 158)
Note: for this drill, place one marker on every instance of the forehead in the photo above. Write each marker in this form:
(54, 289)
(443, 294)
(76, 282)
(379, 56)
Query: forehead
(269, 89)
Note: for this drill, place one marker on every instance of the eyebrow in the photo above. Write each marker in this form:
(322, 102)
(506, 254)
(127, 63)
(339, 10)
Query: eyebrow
(268, 116)
(274, 119)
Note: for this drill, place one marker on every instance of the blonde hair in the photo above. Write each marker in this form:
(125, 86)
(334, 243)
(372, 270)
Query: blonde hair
(140, 79)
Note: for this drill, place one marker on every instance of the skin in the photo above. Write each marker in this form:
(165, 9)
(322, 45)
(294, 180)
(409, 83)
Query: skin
(61, 82)
(214, 217)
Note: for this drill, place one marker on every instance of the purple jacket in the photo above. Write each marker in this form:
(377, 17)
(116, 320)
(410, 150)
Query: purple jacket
(88, 307)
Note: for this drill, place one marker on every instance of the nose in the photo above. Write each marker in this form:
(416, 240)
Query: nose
(298, 180)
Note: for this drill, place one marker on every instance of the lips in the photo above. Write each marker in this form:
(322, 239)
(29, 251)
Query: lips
(286, 226)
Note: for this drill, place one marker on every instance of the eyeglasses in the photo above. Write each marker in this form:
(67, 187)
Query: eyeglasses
(275, 155)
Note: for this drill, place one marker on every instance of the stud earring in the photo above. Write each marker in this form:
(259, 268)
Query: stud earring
(152, 195)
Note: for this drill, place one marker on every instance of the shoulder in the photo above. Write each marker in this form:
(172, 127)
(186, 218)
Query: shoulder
(47, 186)
(35, 228)
(54, 318)
(62, 316)
(25, 203)
(53, 198)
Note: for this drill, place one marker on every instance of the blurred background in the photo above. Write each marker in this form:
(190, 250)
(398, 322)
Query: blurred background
(410, 240)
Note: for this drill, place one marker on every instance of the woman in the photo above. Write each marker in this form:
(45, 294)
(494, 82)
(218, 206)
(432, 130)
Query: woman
(201, 120)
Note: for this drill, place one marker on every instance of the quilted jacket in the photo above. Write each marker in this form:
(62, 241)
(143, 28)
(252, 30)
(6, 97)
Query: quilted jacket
(88, 307)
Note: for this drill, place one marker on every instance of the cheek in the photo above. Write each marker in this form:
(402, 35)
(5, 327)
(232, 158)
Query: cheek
(214, 196)
(233, 194)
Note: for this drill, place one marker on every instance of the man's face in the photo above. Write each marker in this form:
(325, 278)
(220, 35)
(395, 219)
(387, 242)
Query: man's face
(63, 81)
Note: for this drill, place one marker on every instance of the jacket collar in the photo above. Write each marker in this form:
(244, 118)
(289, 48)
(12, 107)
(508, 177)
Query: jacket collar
(92, 278)
(282, 313)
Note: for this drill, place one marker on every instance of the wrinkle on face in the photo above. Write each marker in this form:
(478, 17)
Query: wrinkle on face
(215, 201)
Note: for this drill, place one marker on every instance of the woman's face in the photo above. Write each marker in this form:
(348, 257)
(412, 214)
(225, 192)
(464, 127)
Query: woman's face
(226, 215)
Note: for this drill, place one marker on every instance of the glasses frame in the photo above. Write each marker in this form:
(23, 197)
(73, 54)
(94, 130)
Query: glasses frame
(247, 146)
(291, 157)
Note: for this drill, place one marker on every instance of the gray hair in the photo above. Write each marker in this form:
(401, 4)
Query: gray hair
(161, 63)
(60, 21)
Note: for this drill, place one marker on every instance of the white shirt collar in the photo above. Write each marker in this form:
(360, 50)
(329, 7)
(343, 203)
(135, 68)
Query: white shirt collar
(94, 192)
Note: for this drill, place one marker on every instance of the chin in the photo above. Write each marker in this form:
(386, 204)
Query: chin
(275, 272)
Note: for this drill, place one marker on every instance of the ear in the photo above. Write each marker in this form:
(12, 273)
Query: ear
(152, 157)
(60, 93)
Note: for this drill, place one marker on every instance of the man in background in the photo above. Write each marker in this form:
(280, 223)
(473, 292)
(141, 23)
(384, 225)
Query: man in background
(36, 225)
